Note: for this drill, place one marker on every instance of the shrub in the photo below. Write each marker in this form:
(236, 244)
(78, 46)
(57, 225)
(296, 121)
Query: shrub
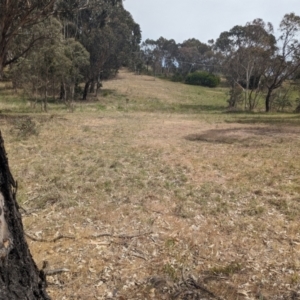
(24, 127)
(177, 77)
(203, 78)
(235, 97)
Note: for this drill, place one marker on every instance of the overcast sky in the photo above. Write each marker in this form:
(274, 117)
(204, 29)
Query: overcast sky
(203, 19)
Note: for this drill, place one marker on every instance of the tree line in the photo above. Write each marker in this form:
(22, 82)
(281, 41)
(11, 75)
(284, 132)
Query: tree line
(63, 49)
(256, 61)
(53, 47)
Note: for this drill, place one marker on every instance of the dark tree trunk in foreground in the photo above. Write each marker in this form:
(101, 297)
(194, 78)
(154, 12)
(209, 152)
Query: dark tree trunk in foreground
(19, 275)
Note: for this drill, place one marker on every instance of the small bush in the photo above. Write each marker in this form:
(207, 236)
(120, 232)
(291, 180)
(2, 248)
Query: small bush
(226, 270)
(297, 109)
(203, 78)
(235, 97)
(177, 78)
(25, 127)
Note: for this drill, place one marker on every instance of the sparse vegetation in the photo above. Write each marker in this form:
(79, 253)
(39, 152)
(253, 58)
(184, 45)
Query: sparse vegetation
(227, 270)
(169, 187)
(24, 127)
(151, 188)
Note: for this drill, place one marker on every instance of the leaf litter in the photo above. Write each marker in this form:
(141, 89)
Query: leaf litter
(156, 215)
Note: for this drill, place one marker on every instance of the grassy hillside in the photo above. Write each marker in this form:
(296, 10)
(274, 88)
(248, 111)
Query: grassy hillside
(153, 192)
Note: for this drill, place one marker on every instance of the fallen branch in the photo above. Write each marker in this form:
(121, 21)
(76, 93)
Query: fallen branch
(49, 240)
(120, 236)
(139, 256)
(27, 212)
(100, 235)
(55, 271)
(50, 272)
(190, 282)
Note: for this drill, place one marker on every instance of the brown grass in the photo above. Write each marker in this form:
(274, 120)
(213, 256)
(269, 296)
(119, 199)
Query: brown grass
(201, 196)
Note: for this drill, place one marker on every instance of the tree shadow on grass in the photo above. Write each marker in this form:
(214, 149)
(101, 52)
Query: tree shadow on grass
(256, 136)
(157, 105)
(292, 119)
(200, 108)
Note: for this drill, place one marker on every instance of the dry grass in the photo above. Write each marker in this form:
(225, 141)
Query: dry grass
(206, 196)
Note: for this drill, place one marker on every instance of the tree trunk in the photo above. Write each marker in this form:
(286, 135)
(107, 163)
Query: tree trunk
(86, 90)
(297, 110)
(1, 70)
(98, 86)
(268, 100)
(45, 103)
(62, 92)
(92, 87)
(19, 275)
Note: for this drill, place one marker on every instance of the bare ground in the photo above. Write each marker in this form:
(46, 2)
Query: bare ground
(160, 205)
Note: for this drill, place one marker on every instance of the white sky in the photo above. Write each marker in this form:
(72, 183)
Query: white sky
(203, 19)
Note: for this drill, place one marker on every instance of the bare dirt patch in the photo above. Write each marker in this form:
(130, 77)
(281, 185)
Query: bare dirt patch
(250, 136)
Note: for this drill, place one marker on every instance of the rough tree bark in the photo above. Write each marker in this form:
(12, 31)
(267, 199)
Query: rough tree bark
(19, 275)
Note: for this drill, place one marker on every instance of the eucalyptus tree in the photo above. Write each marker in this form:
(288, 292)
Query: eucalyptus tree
(127, 38)
(193, 55)
(160, 54)
(153, 55)
(285, 61)
(106, 30)
(103, 27)
(146, 53)
(56, 64)
(256, 61)
(76, 60)
(36, 72)
(135, 60)
(168, 50)
(16, 17)
(245, 50)
(150, 54)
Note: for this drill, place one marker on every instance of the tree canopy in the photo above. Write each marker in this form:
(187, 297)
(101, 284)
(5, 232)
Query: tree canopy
(40, 39)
